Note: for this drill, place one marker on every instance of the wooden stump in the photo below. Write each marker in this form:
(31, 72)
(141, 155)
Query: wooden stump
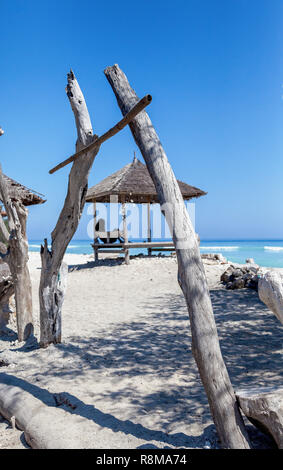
(270, 291)
(264, 408)
(52, 291)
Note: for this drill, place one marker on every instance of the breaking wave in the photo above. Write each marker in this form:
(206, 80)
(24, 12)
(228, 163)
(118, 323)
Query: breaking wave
(220, 248)
(274, 248)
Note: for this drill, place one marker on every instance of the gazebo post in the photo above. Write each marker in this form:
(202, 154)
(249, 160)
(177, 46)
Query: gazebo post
(124, 216)
(94, 231)
(148, 226)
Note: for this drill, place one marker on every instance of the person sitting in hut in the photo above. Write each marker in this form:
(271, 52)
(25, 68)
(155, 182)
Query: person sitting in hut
(100, 227)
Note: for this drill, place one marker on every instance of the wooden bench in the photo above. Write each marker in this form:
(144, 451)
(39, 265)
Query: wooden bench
(124, 247)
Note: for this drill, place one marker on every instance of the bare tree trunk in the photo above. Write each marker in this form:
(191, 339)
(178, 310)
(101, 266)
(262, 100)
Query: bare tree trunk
(205, 342)
(17, 259)
(53, 274)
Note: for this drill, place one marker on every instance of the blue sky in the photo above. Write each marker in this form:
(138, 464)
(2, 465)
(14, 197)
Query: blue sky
(214, 69)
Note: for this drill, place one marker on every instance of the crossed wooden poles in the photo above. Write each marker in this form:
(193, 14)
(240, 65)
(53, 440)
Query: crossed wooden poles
(114, 130)
(191, 274)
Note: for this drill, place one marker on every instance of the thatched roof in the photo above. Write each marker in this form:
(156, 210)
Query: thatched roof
(18, 192)
(133, 182)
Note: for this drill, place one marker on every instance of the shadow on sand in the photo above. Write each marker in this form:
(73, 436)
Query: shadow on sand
(251, 343)
(107, 420)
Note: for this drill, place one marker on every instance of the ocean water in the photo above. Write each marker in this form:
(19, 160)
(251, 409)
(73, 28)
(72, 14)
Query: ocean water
(268, 253)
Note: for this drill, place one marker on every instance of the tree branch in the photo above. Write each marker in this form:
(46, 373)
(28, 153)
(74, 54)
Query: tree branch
(107, 135)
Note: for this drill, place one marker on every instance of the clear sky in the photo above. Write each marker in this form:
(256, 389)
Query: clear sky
(214, 69)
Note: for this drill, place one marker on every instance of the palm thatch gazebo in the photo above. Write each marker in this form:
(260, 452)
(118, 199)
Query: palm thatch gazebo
(131, 184)
(18, 192)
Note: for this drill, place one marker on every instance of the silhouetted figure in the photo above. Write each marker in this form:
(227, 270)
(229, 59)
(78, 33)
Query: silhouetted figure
(100, 227)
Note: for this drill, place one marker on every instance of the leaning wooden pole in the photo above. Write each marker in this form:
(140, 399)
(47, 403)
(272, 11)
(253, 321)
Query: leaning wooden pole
(54, 271)
(205, 342)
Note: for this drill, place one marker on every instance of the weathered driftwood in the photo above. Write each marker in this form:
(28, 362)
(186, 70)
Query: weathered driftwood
(4, 231)
(270, 291)
(264, 408)
(6, 291)
(53, 274)
(114, 130)
(205, 342)
(17, 259)
(45, 427)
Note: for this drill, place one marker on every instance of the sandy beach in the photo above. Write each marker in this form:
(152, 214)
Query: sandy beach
(125, 366)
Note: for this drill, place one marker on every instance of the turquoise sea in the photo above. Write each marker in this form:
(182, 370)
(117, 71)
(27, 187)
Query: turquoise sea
(267, 253)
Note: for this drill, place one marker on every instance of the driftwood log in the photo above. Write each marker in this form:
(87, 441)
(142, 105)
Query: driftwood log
(270, 291)
(45, 427)
(264, 408)
(17, 259)
(53, 274)
(205, 342)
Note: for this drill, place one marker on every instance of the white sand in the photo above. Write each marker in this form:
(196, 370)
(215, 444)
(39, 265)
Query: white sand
(125, 360)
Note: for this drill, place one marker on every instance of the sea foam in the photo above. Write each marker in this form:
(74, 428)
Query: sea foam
(219, 248)
(274, 248)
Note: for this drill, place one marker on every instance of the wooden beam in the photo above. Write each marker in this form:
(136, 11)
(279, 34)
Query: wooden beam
(114, 130)
(135, 245)
(111, 251)
(163, 249)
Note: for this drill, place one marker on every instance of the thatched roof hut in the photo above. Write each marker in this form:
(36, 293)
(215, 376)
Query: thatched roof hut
(18, 192)
(133, 183)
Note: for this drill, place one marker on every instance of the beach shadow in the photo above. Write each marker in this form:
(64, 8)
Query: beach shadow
(96, 264)
(110, 261)
(250, 337)
(73, 405)
(6, 334)
(251, 343)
